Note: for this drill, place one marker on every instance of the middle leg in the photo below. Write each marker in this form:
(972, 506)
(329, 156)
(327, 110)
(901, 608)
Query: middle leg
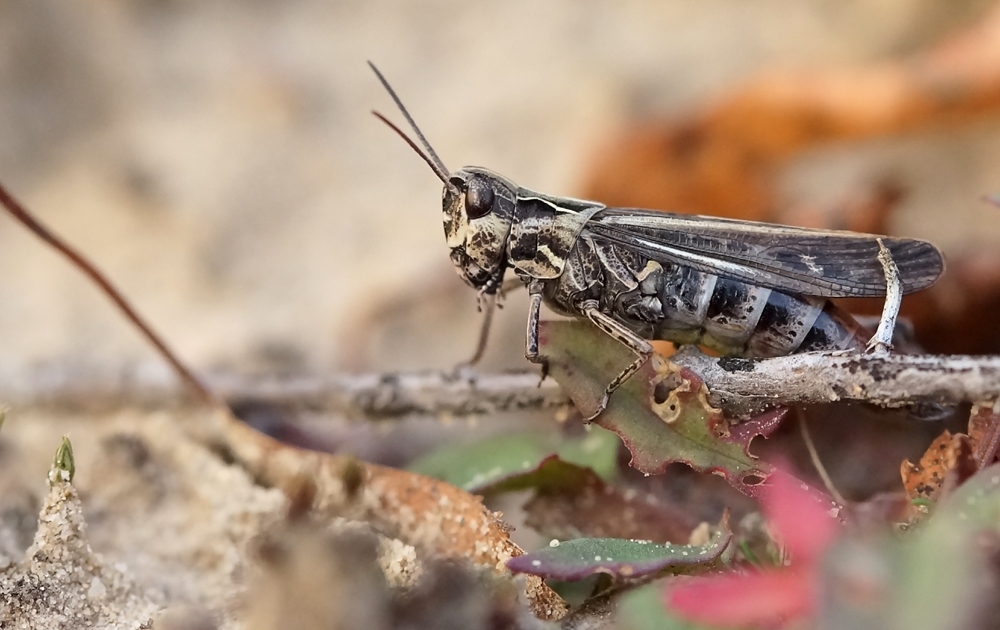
(642, 348)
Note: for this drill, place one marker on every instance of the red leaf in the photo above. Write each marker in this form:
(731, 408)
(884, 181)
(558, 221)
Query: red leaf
(805, 518)
(764, 598)
(806, 521)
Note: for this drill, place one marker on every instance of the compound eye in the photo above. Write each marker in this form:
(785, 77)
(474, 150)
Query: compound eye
(478, 199)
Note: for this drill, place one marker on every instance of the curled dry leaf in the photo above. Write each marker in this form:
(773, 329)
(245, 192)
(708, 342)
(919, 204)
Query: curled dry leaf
(433, 516)
(984, 431)
(947, 453)
(662, 413)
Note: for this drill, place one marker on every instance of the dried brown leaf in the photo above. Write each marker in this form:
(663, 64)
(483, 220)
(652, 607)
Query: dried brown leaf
(948, 456)
(431, 515)
(725, 160)
(984, 431)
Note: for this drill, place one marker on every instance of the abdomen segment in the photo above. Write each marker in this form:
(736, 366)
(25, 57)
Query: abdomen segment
(736, 318)
(679, 304)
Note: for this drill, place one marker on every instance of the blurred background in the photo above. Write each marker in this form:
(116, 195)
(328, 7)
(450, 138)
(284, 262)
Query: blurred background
(218, 159)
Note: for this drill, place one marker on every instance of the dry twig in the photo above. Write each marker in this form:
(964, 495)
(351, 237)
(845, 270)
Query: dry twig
(738, 386)
(19, 213)
(742, 386)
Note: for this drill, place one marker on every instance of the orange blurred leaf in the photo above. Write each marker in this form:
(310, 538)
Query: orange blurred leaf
(725, 160)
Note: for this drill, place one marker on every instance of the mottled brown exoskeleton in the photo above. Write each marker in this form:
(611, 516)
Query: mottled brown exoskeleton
(741, 288)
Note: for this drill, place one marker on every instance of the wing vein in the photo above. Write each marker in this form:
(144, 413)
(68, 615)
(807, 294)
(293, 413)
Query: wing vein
(798, 260)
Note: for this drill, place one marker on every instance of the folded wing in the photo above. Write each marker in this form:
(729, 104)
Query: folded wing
(822, 263)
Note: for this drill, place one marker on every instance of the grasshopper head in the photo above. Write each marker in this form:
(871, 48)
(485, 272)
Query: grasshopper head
(478, 208)
(478, 211)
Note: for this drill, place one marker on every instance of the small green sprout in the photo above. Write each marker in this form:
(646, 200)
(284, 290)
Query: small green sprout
(63, 466)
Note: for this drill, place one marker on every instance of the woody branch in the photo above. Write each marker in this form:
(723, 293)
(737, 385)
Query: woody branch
(736, 385)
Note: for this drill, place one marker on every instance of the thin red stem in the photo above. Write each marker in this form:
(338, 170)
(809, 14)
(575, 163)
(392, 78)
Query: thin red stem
(25, 218)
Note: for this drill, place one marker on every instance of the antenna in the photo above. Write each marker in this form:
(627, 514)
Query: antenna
(442, 175)
(428, 154)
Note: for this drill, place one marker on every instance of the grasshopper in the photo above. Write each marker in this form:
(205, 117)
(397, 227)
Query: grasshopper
(742, 288)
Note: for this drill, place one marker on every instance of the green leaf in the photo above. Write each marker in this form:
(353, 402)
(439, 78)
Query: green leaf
(577, 559)
(521, 460)
(662, 413)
